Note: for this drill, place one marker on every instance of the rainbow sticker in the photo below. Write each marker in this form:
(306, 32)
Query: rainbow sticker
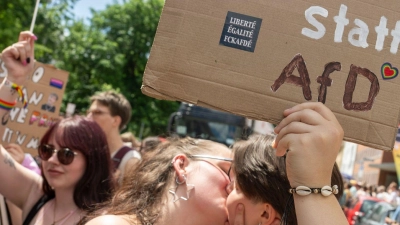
(388, 71)
(56, 83)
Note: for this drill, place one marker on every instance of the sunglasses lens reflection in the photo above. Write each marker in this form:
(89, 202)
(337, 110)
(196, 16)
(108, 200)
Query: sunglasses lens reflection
(64, 155)
(45, 152)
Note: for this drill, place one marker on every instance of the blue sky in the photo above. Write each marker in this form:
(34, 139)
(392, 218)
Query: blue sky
(82, 7)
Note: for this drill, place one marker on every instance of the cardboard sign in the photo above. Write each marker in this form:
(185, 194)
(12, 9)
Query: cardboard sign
(44, 91)
(257, 58)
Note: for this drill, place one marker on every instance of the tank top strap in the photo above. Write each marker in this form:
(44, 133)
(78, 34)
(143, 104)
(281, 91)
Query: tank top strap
(35, 209)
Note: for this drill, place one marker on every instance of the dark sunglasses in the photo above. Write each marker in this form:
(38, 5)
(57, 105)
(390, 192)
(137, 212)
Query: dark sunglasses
(64, 155)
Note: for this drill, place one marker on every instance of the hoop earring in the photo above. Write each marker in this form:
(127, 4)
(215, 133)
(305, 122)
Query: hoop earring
(177, 180)
(189, 188)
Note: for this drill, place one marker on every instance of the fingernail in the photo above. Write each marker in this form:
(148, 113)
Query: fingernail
(24, 63)
(34, 37)
(28, 60)
(240, 207)
(273, 145)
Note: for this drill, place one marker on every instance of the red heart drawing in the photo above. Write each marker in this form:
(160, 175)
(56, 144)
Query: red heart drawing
(388, 71)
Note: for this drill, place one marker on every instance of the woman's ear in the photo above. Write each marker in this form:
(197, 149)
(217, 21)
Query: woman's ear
(270, 216)
(117, 121)
(180, 162)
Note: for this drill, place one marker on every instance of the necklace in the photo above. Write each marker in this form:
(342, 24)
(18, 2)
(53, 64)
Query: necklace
(62, 218)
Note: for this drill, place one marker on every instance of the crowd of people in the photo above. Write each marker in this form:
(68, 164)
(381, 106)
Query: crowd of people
(354, 191)
(88, 174)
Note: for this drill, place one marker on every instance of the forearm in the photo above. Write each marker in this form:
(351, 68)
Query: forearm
(317, 209)
(6, 95)
(18, 60)
(15, 177)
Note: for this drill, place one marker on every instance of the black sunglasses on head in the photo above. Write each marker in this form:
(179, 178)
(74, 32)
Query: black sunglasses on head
(64, 155)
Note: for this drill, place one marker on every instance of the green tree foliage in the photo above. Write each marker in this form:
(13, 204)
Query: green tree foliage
(109, 51)
(132, 27)
(16, 16)
(12, 20)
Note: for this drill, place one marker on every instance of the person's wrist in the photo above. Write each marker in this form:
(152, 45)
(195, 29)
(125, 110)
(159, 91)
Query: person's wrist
(313, 183)
(20, 81)
(325, 190)
(22, 160)
(6, 101)
(313, 198)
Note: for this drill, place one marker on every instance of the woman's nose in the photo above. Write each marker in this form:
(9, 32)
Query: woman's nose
(89, 115)
(53, 158)
(229, 188)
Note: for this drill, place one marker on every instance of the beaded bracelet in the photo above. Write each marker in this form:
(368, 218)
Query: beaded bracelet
(7, 105)
(17, 88)
(325, 190)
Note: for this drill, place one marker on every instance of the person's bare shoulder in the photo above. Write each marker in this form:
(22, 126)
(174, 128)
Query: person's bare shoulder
(108, 219)
(132, 162)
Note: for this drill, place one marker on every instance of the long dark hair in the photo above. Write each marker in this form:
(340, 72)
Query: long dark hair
(97, 183)
(261, 175)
